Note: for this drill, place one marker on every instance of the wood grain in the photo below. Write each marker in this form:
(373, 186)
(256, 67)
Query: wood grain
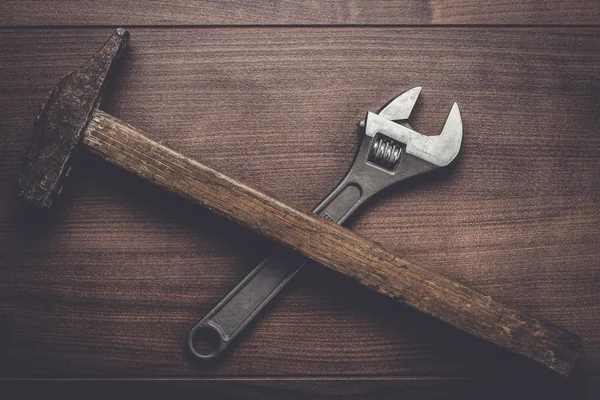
(109, 284)
(265, 12)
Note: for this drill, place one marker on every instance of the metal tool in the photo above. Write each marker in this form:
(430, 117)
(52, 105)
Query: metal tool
(386, 156)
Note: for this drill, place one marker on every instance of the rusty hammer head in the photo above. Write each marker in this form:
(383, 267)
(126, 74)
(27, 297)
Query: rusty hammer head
(62, 121)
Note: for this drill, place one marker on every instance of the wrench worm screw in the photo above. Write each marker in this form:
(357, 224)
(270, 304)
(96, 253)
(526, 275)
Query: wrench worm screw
(386, 153)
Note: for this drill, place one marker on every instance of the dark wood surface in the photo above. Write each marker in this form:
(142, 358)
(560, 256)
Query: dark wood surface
(107, 285)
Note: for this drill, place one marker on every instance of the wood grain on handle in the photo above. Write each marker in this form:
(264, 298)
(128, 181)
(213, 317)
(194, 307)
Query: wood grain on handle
(334, 246)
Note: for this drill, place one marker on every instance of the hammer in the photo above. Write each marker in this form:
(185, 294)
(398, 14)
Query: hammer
(70, 119)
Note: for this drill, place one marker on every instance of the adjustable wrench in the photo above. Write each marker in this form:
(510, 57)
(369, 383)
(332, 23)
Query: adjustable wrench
(383, 158)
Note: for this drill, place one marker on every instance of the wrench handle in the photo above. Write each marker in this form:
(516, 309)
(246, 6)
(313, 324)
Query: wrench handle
(238, 308)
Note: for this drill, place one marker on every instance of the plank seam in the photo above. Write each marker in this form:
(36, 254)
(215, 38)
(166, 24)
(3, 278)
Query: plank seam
(307, 26)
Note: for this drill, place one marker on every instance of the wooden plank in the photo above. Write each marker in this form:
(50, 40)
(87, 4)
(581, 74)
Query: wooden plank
(264, 12)
(111, 285)
(313, 389)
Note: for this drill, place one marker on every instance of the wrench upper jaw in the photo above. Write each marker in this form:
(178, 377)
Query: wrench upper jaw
(400, 107)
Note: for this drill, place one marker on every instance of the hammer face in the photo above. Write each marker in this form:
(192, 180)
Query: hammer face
(61, 123)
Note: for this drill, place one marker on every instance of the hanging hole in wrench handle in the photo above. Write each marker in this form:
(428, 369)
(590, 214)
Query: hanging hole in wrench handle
(205, 341)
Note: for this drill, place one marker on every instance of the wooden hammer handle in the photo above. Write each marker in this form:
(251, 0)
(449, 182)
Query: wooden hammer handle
(334, 246)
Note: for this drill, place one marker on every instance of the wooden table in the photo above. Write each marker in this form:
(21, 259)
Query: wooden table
(106, 285)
